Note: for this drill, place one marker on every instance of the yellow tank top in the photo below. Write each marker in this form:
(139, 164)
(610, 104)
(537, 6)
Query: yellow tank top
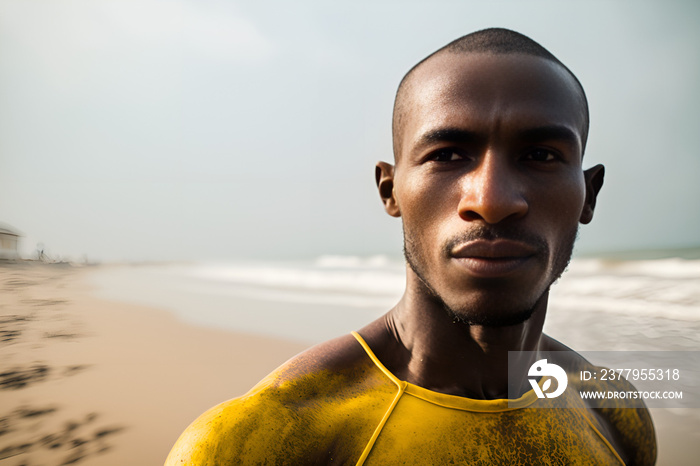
(356, 411)
(427, 427)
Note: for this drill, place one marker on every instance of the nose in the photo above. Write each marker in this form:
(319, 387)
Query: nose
(492, 191)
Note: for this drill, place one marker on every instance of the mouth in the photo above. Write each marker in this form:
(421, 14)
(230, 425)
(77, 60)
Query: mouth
(492, 259)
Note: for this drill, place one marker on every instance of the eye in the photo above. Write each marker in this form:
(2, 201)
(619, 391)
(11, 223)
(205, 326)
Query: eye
(448, 154)
(541, 155)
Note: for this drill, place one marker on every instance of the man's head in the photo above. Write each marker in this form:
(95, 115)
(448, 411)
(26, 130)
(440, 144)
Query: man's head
(489, 133)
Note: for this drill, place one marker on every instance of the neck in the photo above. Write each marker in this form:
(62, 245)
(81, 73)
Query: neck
(451, 357)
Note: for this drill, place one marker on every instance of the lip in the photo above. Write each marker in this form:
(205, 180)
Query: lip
(491, 259)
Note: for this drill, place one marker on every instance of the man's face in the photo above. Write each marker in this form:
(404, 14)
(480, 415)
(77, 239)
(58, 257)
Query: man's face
(489, 182)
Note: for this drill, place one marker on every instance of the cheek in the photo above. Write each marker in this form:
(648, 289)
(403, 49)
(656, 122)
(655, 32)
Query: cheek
(565, 201)
(425, 206)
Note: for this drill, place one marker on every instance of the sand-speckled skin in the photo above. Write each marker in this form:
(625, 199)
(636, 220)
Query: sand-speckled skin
(317, 409)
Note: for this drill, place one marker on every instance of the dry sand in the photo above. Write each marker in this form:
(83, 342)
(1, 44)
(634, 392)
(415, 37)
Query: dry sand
(92, 382)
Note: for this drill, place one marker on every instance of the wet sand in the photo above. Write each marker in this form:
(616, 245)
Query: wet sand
(94, 382)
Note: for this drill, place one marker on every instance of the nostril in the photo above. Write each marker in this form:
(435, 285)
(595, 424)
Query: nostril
(470, 215)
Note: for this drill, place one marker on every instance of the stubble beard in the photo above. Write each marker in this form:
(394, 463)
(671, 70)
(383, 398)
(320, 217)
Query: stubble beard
(469, 314)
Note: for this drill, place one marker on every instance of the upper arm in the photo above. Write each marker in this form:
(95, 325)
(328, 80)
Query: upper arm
(192, 447)
(246, 430)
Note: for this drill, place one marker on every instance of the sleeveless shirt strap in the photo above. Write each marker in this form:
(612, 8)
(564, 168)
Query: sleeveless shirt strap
(401, 388)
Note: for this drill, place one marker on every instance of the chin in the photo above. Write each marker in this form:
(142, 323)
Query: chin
(492, 311)
(488, 319)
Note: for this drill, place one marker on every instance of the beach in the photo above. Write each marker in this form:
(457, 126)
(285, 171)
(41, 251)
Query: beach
(106, 365)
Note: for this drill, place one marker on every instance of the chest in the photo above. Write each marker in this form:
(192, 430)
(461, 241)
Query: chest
(418, 432)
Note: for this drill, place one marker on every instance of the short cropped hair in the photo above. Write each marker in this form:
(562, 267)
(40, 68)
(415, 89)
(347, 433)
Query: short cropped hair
(494, 41)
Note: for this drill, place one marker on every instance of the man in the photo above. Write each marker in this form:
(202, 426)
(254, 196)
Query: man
(489, 134)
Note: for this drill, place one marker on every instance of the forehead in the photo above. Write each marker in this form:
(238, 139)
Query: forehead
(488, 93)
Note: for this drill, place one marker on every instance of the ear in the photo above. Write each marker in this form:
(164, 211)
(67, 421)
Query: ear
(384, 175)
(594, 181)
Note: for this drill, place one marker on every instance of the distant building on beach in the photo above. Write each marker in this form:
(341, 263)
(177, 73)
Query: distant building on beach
(9, 239)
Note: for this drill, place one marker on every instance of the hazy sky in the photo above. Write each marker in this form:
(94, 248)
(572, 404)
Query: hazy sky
(199, 129)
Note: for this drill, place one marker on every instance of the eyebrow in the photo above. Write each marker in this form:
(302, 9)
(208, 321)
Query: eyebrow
(551, 133)
(454, 135)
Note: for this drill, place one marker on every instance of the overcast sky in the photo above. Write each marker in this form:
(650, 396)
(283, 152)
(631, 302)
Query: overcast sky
(200, 129)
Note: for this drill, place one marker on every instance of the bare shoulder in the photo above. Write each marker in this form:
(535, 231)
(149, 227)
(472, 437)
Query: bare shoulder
(629, 430)
(289, 414)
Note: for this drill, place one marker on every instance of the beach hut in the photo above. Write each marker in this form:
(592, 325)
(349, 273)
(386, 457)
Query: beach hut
(9, 239)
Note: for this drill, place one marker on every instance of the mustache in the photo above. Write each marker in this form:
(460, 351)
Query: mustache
(493, 232)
